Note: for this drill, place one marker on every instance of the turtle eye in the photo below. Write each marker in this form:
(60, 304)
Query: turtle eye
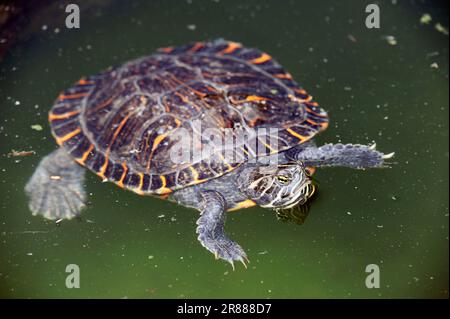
(283, 179)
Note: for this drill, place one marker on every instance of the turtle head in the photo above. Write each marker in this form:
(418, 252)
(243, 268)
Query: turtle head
(279, 186)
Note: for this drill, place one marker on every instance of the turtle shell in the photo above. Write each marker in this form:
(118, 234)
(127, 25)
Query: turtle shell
(123, 123)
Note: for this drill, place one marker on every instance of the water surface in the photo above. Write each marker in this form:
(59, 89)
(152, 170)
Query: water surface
(132, 246)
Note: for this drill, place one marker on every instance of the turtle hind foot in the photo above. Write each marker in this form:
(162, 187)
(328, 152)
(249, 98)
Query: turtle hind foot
(55, 189)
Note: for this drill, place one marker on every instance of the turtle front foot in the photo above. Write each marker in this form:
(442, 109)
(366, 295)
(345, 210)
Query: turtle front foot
(224, 248)
(211, 233)
(347, 155)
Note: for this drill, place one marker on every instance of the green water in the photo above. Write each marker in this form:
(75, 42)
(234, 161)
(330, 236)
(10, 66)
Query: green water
(133, 246)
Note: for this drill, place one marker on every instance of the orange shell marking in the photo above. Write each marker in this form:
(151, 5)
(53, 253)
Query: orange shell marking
(263, 58)
(64, 116)
(163, 189)
(71, 96)
(67, 137)
(83, 159)
(294, 133)
(232, 46)
(125, 170)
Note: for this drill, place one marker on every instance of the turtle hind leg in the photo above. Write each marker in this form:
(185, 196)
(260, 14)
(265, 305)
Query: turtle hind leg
(210, 229)
(55, 189)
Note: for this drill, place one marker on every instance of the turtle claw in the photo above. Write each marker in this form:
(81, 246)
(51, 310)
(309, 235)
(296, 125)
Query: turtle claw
(230, 252)
(388, 156)
(226, 249)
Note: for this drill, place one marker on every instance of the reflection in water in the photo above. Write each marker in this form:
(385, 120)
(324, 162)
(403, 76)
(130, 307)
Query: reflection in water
(296, 214)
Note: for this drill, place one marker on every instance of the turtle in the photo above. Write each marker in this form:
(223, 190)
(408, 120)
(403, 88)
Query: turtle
(134, 125)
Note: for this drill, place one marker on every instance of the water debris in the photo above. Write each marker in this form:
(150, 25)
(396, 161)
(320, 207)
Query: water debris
(161, 216)
(37, 127)
(264, 252)
(191, 27)
(352, 38)
(349, 213)
(15, 153)
(55, 177)
(33, 232)
(150, 257)
(439, 27)
(434, 65)
(425, 18)
(390, 39)
(432, 54)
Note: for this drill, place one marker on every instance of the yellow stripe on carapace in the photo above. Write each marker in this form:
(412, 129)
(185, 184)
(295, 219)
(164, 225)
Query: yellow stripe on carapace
(283, 76)
(301, 91)
(71, 96)
(268, 146)
(323, 125)
(125, 170)
(141, 184)
(141, 180)
(158, 140)
(197, 46)
(196, 175)
(315, 113)
(299, 100)
(226, 163)
(244, 151)
(263, 58)
(166, 49)
(182, 97)
(294, 133)
(232, 46)
(163, 189)
(83, 158)
(67, 137)
(52, 117)
(244, 204)
(251, 98)
(104, 167)
(85, 82)
(312, 122)
(117, 131)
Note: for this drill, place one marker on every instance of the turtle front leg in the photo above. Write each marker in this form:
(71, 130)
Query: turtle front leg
(210, 229)
(347, 155)
(56, 187)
